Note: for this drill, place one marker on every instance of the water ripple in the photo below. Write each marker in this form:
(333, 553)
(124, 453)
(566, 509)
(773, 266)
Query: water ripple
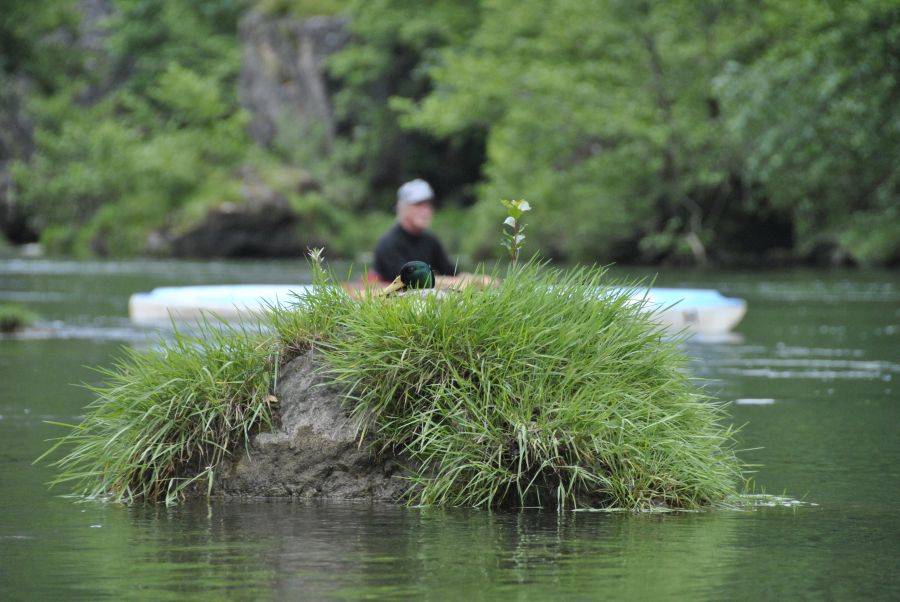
(822, 292)
(853, 365)
(783, 350)
(790, 366)
(33, 296)
(193, 270)
(58, 330)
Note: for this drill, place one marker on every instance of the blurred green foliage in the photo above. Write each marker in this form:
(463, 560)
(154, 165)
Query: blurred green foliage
(686, 131)
(669, 124)
(396, 44)
(35, 39)
(106, 172)
(817, 116)
(300, 8)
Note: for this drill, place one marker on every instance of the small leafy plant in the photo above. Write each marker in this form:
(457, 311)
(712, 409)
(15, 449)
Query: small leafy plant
(515, 236)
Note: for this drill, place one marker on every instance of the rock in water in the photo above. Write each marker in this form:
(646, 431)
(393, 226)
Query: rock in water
(247, 230)
(314, 452)
(263, 225)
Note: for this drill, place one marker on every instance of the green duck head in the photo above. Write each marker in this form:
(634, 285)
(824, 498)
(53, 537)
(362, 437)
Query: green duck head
(417, 274)
(413, 274)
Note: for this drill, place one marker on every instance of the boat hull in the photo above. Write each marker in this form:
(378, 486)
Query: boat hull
(229, 302)
(700, 311)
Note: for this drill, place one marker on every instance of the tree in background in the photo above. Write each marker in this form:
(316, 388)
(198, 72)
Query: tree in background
(604, 111)
(680, 129)
(152, 128)
(36, 58)
(35, 38)
(817, 116)
(396, 45)
(685, 131)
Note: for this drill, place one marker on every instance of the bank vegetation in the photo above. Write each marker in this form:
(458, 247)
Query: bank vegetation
(665, 132)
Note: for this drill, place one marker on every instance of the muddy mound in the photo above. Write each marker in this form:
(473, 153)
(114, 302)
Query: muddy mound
(315, 451)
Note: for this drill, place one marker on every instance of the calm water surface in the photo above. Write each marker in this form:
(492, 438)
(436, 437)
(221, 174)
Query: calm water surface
(813, 371)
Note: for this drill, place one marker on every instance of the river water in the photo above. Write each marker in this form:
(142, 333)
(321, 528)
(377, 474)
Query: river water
(813, 371)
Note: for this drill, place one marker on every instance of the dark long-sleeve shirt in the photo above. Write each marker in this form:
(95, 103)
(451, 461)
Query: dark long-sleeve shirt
(397, 246)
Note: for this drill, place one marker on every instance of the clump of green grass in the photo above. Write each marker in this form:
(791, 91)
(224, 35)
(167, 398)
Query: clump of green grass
(531, 393)
(163, 420)
(14, 317)
(535, 392)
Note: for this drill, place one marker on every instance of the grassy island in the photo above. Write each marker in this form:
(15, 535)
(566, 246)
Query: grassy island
(14, 317)
(534, 392)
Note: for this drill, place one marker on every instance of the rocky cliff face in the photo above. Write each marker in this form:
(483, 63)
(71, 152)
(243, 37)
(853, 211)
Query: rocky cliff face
(283, 82)
(284, 87)
(314, 453)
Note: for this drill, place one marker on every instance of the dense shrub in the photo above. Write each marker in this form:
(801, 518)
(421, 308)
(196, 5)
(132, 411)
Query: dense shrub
(536, 392)
(547, 390)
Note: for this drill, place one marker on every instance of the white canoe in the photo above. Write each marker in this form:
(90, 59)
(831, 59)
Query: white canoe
(226, 301)
(700, 311)
(695, 310)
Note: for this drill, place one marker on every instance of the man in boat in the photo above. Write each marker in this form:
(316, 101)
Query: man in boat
(409, 239)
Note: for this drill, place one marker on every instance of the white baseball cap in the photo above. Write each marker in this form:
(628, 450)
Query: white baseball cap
(414, 191)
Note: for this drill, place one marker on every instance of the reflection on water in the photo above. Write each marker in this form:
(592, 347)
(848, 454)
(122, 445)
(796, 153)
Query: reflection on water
(808, 368)
(811, 372)
(301, 551)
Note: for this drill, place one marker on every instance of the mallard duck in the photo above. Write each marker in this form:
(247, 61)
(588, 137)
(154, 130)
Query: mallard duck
(413, 274)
